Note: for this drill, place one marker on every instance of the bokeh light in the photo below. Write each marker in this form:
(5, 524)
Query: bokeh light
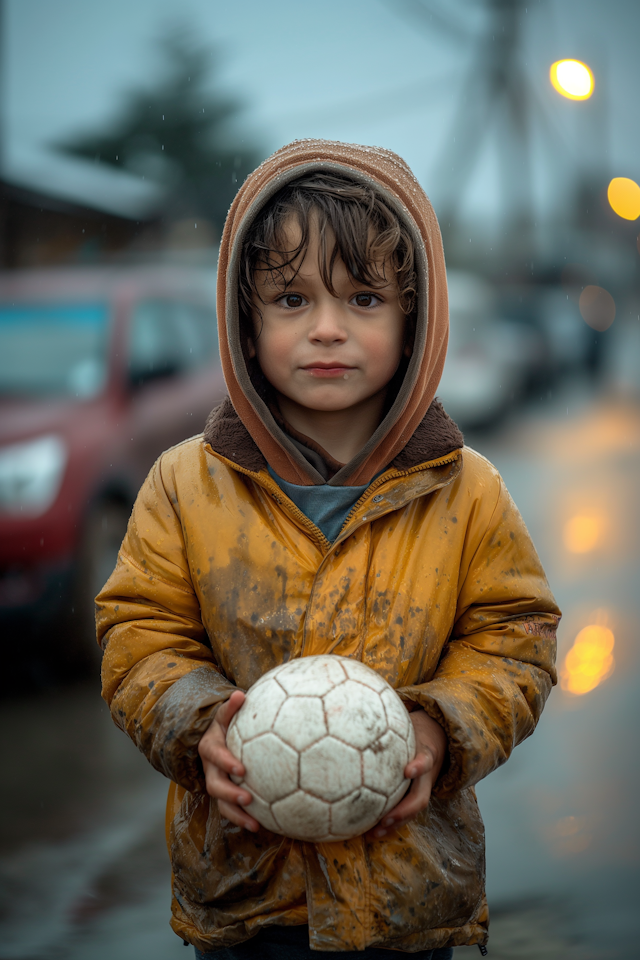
(589, 661)
(598, 308)
(581, 533)
(569, 835)
(572, 79)
(624, 196)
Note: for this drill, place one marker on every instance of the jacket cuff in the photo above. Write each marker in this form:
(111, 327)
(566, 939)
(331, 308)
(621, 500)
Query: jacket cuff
(179, 719)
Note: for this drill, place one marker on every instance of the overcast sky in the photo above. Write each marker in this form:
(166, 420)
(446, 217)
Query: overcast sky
(355, 70)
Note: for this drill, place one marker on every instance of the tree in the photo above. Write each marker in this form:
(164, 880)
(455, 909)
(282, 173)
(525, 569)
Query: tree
(179, 133)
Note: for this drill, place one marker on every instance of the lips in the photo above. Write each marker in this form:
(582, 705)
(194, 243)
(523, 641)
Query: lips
(327, 370)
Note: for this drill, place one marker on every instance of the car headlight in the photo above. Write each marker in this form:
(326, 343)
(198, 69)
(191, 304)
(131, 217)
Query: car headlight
(31, 474)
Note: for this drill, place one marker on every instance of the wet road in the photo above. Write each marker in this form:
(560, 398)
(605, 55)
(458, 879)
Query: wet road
(83, 869)
(563, 844)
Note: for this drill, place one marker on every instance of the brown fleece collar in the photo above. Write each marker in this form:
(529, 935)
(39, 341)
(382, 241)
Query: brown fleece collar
(435, 436)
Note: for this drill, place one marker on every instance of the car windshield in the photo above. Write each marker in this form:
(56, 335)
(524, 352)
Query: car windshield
(53, 349)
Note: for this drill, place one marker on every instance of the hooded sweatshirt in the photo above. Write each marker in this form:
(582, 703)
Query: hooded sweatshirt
(432, 580)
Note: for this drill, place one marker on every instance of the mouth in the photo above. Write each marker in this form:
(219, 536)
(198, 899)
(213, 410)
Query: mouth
(329, 369)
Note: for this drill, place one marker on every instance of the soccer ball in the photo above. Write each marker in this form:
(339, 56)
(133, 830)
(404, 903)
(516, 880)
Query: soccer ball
(324, 742)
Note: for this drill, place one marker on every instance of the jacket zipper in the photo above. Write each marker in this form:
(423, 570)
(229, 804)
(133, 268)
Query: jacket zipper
(394, 476)
(278, 494)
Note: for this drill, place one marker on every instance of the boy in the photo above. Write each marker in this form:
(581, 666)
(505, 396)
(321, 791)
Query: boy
(328, 508)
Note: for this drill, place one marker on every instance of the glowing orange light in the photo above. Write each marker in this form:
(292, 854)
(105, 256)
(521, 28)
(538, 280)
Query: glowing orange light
(624, 196)
(570, 835)
(598, 308)
(581, 534)
(572, 79)
(589, 661)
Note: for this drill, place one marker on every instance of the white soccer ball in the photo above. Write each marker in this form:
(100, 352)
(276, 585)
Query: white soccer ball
(324, 742)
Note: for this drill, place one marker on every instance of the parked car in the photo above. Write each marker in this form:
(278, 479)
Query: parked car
(100, 371)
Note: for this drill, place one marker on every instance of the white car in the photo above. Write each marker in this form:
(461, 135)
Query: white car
(488, 359)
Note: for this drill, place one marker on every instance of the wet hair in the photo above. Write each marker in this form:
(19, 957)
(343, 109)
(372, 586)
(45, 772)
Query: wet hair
(356, 226)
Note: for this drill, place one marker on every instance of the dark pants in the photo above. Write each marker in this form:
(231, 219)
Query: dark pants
(292, 943)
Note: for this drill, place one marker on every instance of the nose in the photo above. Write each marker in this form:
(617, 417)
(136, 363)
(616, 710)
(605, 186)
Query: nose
(327, 325)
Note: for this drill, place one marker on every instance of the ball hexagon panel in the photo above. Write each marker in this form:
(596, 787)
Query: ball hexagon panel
(256, 716)
(300, 721)
(397, 713)
(360, 811)
(271, 767)
(261, 810)
(356, 670)
(302, 817)
(314, 676)
(355, 714)
(330, 769)
(383, 766)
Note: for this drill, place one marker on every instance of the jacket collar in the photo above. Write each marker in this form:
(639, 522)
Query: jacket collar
(436, 436)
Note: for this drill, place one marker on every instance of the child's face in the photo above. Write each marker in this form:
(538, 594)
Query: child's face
(325, 352)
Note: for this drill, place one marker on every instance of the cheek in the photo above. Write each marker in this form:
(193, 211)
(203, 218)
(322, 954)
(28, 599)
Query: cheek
(385, 349)
(273, 349)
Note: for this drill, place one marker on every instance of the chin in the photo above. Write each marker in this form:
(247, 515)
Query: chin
(336, 406)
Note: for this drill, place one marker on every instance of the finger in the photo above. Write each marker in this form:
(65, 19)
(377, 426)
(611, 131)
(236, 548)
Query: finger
(422, 763)
(214, 751)
(411, 804)
(237, 815)
(220, 787)
(229, 709)
(213, 744)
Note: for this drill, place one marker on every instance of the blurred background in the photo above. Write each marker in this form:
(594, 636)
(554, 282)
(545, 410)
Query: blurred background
(125, 130)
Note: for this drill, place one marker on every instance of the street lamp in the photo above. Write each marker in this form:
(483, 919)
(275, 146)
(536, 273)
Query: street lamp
(572, 79)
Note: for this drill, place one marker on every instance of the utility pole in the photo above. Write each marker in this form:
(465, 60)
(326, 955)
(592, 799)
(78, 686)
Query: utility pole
(495, 98)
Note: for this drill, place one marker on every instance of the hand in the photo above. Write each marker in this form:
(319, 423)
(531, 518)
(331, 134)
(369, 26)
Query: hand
(431, 749)
(218, 763)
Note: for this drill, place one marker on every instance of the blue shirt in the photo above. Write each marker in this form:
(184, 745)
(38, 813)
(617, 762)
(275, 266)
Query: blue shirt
(327, 507)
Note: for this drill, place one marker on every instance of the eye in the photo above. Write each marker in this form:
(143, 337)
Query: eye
(366, 300)
(292, 301)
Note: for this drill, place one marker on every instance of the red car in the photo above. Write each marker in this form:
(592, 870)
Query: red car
(100, 371)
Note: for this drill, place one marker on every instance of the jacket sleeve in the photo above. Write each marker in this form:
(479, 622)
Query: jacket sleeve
(158, 672)
(498, 666)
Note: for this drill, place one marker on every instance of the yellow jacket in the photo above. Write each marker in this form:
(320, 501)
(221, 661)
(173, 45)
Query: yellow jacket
(433, 582)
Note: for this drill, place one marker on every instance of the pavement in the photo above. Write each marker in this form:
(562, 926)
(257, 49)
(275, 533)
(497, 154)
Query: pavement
(84, 873)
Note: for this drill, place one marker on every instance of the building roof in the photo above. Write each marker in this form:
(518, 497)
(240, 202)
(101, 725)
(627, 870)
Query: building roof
(94, 185)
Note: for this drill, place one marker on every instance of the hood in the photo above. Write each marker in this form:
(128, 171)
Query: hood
(393, 179)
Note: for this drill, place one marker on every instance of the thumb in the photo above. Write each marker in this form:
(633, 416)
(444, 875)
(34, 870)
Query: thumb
(229, 709)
